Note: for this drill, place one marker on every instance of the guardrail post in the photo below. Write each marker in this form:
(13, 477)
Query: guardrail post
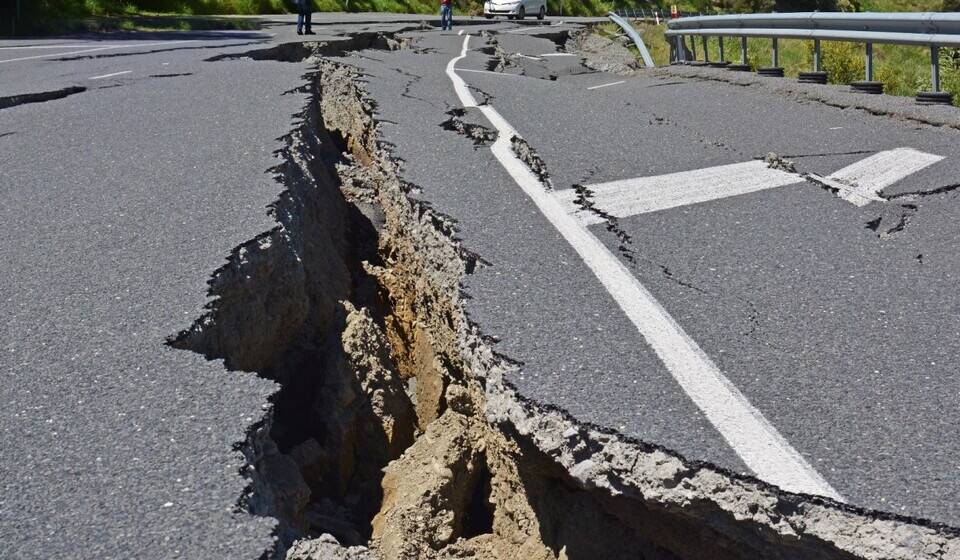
(817, 76)
(935, 68)
(868, 85)
(742, 66)
(816, 55)
(706, 49)
(774, 71)
(721, 63)
(936, 96)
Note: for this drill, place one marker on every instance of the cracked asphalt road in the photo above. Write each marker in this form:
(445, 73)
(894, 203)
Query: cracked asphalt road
(119, 200)
(840, 331)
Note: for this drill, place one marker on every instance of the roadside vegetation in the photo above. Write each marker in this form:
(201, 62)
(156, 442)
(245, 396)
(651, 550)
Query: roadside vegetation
(904, 70)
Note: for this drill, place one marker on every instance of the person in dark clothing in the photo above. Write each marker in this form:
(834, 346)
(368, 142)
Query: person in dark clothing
(304, 13)
(446, 14)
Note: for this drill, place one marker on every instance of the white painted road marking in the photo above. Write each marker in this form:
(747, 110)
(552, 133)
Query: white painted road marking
(629, 197)
(20, 47)
(750, 435)
(558, 54)
(528, 56)
(101, 48)
(607, 85)
(859, 184)
(868, 177)
(460, 32)
(110, 75)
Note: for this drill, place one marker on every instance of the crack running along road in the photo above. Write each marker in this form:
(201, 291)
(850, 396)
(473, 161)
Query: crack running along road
(750, 435)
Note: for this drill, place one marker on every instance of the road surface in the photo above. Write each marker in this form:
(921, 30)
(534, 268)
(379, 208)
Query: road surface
(661, 279)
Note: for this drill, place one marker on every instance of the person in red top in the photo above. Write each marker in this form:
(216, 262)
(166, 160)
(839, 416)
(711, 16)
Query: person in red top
(446, 14)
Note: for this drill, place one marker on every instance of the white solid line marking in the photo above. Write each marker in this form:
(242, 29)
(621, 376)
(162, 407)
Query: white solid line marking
(460, 32)
(867, 177)
(610, 84)
(629, 197)
(46, 47)
(528, 56)
(750, 435)
(53, 54)
(96, 49)
(558, 54)
(110, 75)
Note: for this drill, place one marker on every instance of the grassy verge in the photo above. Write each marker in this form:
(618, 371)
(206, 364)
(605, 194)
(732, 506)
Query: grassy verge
(904, 70)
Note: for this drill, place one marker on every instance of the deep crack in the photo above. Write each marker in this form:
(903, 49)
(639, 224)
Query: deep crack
(395, 427)
(41, 97)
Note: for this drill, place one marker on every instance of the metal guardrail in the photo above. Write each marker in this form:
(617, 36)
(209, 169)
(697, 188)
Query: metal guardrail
(637, 40)
(930, 29)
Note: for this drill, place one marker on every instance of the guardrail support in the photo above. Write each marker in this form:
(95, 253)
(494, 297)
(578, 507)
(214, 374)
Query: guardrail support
(868, 85)
(742, 66)
(706, 49)
(817, 76)
(935, 68)
(721, 63)
(774, 71)
(935, 97)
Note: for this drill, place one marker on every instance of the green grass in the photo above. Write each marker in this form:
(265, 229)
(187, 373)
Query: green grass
(904, 70)
(651, 34)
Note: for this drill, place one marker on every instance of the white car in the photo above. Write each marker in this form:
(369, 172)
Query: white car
(515, 9)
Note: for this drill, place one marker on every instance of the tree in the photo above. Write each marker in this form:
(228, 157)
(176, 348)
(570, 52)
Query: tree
(806, 5)
(751, 6)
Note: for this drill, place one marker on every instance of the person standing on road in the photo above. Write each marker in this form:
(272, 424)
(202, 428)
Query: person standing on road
(446, 14)
(304, 13)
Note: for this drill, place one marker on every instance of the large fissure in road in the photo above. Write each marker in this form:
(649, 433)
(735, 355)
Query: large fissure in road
(393, 431)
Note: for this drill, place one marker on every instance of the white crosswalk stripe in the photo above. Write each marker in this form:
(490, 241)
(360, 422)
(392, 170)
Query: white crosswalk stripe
(859, 183)
(630, 197)
(869, 176)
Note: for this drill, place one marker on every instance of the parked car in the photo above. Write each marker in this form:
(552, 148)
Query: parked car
(515, 9)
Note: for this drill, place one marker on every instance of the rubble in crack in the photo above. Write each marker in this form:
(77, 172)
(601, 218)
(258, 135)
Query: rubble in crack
(775, 161)
(532, 160)
(478, 133)
(393, 433)
(500, 59)
(603, 54)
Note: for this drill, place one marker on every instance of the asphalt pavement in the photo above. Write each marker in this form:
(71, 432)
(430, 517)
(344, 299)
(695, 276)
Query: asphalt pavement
(836, 326)
(122, 195)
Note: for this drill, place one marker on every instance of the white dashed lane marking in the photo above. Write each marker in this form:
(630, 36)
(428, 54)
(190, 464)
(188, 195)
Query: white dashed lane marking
(608, 85)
